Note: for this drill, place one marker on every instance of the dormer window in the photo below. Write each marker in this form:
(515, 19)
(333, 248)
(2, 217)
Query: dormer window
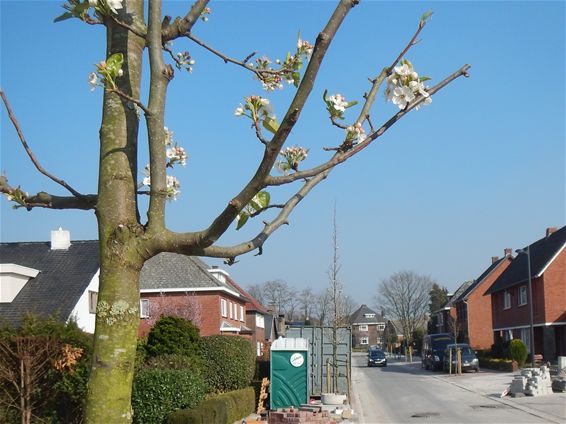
(13, 278)
(369, 315)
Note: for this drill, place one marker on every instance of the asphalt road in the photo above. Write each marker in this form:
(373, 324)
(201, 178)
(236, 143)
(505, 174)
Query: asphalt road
(405, 393)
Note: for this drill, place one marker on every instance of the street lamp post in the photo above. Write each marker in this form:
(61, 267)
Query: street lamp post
(527, 251)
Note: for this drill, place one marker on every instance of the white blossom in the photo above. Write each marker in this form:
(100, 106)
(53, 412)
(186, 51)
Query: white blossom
(92, 80)
(239, 111)
(402, 96)
(114, 5)
(338, 102)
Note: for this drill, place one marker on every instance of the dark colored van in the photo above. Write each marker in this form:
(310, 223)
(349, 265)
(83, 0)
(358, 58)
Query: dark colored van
(433, 350)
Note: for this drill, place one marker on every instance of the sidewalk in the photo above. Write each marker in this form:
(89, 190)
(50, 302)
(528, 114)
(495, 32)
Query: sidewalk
(551, 408)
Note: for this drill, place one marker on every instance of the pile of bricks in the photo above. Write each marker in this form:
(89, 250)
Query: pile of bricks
(291, 415)
(532, 382)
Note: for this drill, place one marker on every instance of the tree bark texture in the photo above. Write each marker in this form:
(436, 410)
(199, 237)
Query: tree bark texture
(117, 317)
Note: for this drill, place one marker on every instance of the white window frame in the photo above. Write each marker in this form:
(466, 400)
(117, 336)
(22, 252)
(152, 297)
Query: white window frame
(259, 321)
(144, 308)
(506, 299)
(525, 336)
(223, 308)
(381, 327)
(92, 301)
(363, 327)
(523, 298)
(258, 349)
(242, 314)
(364, 340)
(230, 309)
(369, 315)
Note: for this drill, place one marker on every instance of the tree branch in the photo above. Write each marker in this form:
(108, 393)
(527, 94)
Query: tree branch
(183, 25)
(30, 152)
(129, 98)
(341, 156)
(257, 182)
(142, 32)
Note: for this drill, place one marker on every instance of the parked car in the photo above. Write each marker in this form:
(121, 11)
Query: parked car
(376, 357)
(468, 357)
(433, 350)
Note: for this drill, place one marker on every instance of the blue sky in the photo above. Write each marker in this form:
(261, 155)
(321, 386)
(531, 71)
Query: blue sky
(480, 169)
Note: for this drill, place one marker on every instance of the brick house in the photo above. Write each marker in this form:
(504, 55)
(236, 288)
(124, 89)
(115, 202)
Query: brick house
(258, 320)
(367, 327)
(472, 309)
(511, 303)
(174, 284)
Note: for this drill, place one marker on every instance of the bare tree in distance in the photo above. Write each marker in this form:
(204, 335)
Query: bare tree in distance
(277, 293)
(126, 239)
(307, 299)
(186, 307)
(404, 297)
(256, 291)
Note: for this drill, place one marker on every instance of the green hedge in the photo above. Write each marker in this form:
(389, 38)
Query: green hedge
(157, 392)
(224, 408)
(496, 364)
(173, 336)
(229, 362)
(518, 351)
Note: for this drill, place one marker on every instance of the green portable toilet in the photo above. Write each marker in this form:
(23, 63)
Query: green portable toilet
(289, 372)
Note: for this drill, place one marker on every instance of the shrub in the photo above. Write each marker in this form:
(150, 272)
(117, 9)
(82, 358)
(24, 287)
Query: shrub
(224, 408)
(500, 349)
(496, 364)
(175, 362)
(229, 362)
(518, 351)
(157, 392)
(173, 336)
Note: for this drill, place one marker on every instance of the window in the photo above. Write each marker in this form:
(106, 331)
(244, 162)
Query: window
(223, 307)
(144, 308)
(363, 327)
(241, 313)
(259, 321)
(364, 341)
(258, 349)
(522, 295)
(92, 301)
(231, 314)
(369, 315)
(506, 299)
(381, 327)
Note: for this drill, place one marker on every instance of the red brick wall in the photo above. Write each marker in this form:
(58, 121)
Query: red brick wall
(555, 290)
(479, 325)
(209, 305)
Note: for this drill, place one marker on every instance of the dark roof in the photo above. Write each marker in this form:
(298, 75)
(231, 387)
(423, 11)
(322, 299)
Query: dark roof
(469, 288)
(174, 271)
(359, 318)
(64, 275)
(458, 293)
(542, 252)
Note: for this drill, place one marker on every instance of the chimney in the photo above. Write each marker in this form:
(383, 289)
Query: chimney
(494, 259)
(507, 251)
(60, 239)
(550, 230)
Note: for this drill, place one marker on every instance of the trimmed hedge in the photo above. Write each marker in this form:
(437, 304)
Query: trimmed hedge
(173, 336)
(224, 408)
(496, 364)
(157, 392)
(518, 351)
(229, 362)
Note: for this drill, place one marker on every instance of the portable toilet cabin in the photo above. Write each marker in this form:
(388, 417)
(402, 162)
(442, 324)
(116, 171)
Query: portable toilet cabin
(289, 372)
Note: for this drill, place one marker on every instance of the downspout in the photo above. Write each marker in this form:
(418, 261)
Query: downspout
(467, 321)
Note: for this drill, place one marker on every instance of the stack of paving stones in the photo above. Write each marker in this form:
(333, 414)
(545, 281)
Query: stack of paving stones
(292, 415)
(538, 381)
(559, 382)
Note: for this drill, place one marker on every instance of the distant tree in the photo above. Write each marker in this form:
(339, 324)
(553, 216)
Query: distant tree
(307, 299)
(256, 291)
(405, 297)
(186, 307)
(438, 298)
(277, 293)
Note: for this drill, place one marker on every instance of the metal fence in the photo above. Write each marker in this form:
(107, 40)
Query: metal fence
(320, 352)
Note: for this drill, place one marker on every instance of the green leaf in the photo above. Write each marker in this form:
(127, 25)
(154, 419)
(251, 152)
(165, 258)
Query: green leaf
(242, 219)
(352, 103)
(423, 79)
(426, 16)
(263, 198)
(324, 95)
(63, 17)
(296, 78)
(114, 63)
(271, 124)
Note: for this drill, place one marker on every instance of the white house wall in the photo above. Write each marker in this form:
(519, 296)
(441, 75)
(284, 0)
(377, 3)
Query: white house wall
(85, 320)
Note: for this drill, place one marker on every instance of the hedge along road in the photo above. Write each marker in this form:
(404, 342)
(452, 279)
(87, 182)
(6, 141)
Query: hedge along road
(405, 393)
